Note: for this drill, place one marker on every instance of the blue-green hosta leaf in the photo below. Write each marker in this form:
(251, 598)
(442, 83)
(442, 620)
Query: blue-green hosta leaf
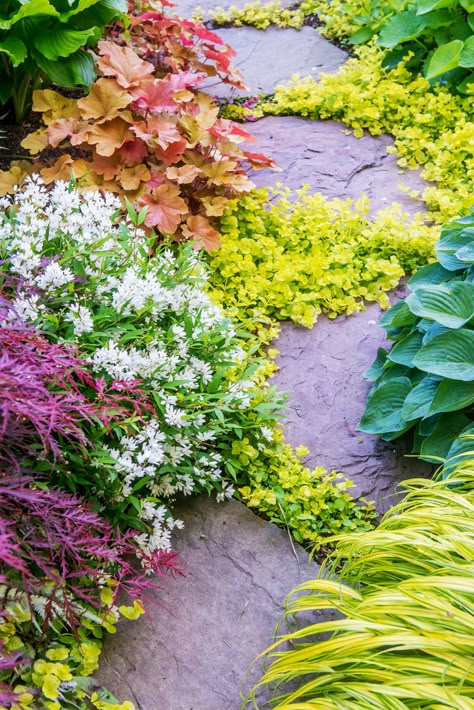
(451, 396)
(462, 448)
(61, 42)
(466, 253)
(444, 59)
(436, 446)
(429, 275)
(33, 8)
(398, 316)
(400, 28)
(433, 330)
(448, 245)
(449, 355)
(376, 369)
(418, 401)
(384, 407)
(451, 304)
(429, 5)
(405, 350)
(100, 14)
(15, 49)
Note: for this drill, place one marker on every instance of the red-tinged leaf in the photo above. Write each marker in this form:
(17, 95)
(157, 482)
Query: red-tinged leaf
(203, 33)
(199, 230)
(157, 178)
(183, 175)
(163, 131)
(222, 59)
(165, 208)
(105, 100)
(172, 153)
(258, 161)
(123, 63)
(159, 94)
(223, 128)
(133, 152)
(76, 131)
(109, 167)
(109, 136)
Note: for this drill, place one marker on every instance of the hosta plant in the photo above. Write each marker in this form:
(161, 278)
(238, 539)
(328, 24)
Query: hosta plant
(393, 631)
(425, 381)
(46, 41)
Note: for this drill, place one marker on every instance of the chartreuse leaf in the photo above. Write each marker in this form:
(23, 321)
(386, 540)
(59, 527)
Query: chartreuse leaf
(15, 49)
(449, 355)
(452, 396)
(466, 56)
(384, 407)
(452, 304)
(461, 448)
(418, 402)
(61, 42)
(400, 28)
(467, 5)
(444, 59)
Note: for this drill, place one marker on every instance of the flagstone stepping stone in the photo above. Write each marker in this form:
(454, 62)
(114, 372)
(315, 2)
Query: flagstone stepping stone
(332, 161)
(271, 57)
(207, 628)
(323, 371)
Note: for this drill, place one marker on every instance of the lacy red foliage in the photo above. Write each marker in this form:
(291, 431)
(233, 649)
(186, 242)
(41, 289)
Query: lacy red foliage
(48, 538)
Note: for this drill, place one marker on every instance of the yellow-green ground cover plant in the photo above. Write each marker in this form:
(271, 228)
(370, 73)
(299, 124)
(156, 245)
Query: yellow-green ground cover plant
(401, 637)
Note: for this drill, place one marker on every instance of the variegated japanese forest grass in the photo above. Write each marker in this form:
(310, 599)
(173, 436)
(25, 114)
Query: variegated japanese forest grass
(406, 595)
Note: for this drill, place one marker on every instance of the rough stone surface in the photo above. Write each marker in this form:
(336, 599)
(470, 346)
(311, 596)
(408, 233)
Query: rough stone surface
(323, 371)
(209, 626)
(269, 58)
(322, 154)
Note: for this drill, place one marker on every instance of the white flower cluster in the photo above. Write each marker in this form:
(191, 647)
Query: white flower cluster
(134, 318)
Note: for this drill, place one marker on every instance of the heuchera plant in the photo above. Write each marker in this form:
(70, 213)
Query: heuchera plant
(145, 132)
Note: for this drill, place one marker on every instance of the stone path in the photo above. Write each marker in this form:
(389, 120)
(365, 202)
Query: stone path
(207, 628)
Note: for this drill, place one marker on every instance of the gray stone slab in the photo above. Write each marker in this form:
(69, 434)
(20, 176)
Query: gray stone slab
(269, 58)
(209, 626)
(322, 154)
(323, 370)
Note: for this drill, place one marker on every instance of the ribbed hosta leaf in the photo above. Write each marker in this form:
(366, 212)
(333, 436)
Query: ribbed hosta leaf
(452, 396)
(384, 407)
(451, 305)
(405, 350)
(418, 402)
(61, 42)
(449, 355)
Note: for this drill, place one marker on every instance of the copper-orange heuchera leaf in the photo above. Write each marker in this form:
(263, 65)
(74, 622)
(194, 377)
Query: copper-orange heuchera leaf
(199, 228)
(163, 131)
(182, 175)
(124, 64)
(109, 136)
(105, 100)
(76, 131)
(165, 207)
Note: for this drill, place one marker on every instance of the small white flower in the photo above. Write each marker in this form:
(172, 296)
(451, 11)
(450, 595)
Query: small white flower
(81, 318)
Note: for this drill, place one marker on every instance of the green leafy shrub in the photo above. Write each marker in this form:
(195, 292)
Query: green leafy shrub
(313, 504)
(298, 258)
(432, 127)
(437, 34)
(405, 608)
(45, 39)
(426, 380)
